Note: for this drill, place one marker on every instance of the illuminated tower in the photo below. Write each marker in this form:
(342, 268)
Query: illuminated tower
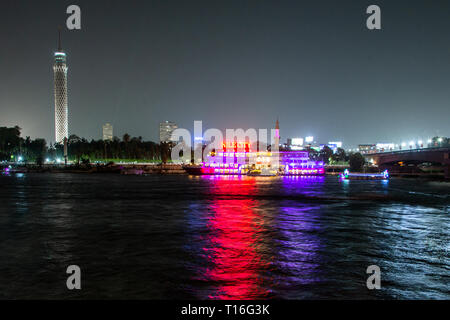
(60, 82)
(277, 129)
(277, 133)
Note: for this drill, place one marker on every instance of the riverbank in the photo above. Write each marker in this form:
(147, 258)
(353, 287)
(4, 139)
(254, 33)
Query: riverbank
(136, 169)
(166, 169)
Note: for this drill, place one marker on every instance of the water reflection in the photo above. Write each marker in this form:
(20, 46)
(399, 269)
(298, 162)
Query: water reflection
(176, 237)
(299, 243)
(234, 246)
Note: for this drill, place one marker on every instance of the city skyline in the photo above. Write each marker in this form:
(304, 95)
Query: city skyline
(383, 95)
(225, 159)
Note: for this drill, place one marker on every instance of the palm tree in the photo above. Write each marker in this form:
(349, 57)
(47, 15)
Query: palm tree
(126, 140)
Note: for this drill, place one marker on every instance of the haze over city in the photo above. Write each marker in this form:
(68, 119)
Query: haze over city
(232, 64)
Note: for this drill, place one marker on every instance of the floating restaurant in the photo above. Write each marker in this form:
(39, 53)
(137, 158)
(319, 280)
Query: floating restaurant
(237, 158)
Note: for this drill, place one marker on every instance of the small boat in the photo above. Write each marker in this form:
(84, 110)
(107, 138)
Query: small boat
(364, 176)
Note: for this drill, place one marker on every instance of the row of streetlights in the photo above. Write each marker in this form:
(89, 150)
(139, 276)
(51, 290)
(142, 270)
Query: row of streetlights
(57, 160)
(412, 144)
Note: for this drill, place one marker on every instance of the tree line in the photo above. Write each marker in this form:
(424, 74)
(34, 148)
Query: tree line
(15, 148)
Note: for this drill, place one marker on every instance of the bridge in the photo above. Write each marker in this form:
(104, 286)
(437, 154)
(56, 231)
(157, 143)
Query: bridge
(412, 157)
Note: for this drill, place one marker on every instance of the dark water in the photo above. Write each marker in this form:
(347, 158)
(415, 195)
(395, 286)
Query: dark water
(173, 237)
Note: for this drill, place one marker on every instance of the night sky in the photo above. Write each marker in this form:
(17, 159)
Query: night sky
(232, 64)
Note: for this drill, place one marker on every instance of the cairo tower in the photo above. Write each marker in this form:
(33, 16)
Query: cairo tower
(60, 81)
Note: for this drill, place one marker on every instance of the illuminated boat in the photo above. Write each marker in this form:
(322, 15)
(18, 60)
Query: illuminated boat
(238, 159)
(364, 176)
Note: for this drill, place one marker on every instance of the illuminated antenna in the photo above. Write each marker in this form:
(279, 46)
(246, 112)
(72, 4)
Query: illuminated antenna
(59, 39)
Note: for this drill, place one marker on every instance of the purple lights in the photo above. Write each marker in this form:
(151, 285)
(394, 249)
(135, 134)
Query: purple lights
(6, 170)
(298, 163)
(290, 163)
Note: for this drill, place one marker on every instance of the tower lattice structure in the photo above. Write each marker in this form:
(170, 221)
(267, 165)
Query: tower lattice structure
(60, 90)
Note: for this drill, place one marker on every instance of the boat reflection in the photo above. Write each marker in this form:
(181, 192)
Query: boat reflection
(299, 258)
(234, 246)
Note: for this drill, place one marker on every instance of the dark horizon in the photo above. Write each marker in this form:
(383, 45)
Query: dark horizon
(233, 65)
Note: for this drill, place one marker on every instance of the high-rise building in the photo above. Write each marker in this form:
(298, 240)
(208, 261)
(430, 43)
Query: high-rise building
(60, 83)
(107, 132)
(166, 129)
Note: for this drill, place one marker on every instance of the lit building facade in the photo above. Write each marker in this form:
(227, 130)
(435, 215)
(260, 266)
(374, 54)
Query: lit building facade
(166, 129)
(108, 132)
(60, 91)
(367, 148)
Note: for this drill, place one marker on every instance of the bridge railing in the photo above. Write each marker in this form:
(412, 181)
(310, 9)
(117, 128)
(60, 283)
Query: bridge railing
(438, 149)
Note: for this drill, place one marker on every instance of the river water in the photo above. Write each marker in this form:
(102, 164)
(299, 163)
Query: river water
(185, 237)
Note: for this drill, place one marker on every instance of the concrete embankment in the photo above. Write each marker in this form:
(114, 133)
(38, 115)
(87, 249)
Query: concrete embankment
(152, 169)
(133, 169)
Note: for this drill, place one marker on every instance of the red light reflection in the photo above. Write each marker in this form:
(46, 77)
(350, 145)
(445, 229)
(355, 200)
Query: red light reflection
(234, 245)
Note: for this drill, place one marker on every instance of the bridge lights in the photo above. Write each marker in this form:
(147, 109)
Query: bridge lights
(420, 143)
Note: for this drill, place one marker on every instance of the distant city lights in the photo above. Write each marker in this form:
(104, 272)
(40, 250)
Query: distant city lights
(297, 141)
(338, 144)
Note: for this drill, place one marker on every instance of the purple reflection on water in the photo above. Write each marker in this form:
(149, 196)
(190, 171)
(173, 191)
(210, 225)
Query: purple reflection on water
(300, 244)
(306, 185)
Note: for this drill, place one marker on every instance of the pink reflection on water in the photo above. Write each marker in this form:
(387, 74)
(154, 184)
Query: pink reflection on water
(234, 244)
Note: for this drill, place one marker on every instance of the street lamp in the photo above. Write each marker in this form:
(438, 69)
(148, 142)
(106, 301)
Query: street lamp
(420, 143)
